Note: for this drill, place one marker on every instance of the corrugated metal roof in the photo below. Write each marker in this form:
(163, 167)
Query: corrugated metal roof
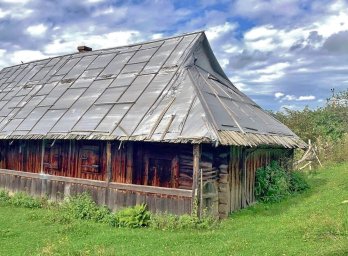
(169, 90)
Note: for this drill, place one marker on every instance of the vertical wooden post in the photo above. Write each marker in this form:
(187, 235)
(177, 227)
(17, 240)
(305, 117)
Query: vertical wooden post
(146, 169)
(129, 171)
(196, 157)
(200, 193)
(69, 158)
(42, 156)
(108, 171)
(108, 162)
(175, 172)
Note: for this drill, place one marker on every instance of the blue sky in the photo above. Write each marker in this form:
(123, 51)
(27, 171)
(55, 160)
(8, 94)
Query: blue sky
(281, 53)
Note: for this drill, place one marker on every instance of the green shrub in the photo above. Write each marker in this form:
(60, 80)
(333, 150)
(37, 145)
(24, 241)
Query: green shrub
(4, 196)
(298, 182)
(83, 207)
(273, 183)
(102, 214)
(164, 221)
(24, 200)
(132, 217)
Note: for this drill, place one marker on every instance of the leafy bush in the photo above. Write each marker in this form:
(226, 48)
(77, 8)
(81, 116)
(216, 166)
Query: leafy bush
(102, 214)
(84, 208)
(132, 217)
(273, 183)
(4, 196)
(326, 127)
(298, 182)
(164, 221)
(24, 200)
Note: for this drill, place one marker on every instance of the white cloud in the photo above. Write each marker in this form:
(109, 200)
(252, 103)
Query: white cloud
(216, 31)
(306, 98)
(291, 107)
(94, 1)
(269, 73)
(332, 24)
(16, 1)
(26, 56)
(283, 97)
(275, 68)
(117, 13)
(3, 62)
(231, 48)
(269, 38)
(266, 78)
(279, 95)
(21, 13)
(266, 9)
(38, 30)
(224, 62)
(260, 32)
(3, 13)
(156, 36)
(67, 42)
(289, 97)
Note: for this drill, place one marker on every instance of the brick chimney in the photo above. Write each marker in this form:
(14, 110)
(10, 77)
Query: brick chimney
(84, 48)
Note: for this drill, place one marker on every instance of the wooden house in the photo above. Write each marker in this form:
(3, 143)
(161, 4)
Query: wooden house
(156, 122)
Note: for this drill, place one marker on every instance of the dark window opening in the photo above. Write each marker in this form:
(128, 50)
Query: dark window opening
(90, 159)
(52, 157)
(160, 172)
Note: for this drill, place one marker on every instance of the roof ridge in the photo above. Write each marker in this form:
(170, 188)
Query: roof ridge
(100, 51)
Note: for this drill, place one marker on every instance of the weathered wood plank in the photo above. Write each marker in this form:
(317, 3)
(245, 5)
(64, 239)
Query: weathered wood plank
(196, 157)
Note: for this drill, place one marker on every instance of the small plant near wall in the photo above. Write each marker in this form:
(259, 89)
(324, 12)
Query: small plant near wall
(273, 183)
(82, 207)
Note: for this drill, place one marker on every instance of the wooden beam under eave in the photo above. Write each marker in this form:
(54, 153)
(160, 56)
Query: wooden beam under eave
(196, 157)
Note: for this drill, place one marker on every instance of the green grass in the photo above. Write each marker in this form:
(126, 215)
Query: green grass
(313, 223)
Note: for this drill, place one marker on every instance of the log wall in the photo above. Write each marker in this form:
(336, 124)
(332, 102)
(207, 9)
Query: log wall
(123, 174)
(116, 196)
(139, 172)
(153, 164)
(237, 179)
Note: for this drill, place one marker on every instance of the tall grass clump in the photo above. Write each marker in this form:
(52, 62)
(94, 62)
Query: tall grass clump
(4, 196)
(132, 217)
(23, 200)
(82, 207)
(273, 183)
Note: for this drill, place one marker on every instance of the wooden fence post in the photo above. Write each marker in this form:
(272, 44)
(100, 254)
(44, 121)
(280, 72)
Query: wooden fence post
(196, 157)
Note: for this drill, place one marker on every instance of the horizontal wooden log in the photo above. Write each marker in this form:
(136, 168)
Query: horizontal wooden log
(103, 184)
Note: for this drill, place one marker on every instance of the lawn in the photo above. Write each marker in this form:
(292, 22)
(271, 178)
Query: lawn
(313, 223)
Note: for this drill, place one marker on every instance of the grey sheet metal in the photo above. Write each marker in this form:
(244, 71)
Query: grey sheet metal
(169, 90)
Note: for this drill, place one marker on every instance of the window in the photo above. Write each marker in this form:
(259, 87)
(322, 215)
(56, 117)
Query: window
(159, 172)
(90, 159)
(52, 157)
